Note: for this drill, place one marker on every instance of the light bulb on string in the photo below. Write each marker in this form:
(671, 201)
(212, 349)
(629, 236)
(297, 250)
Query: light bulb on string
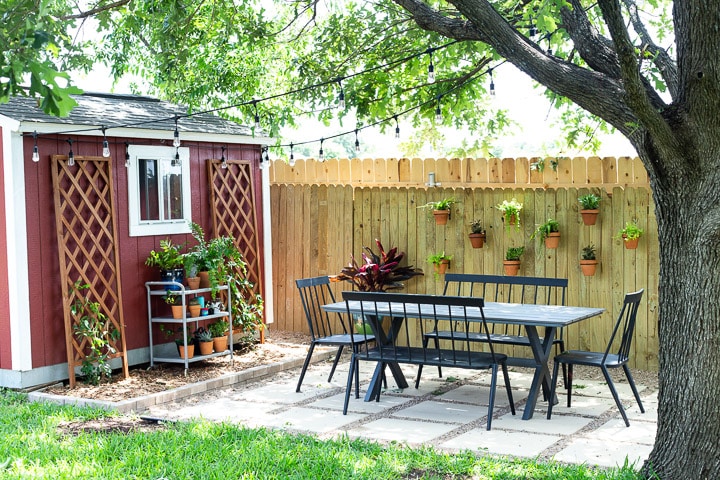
(397, 127)
(357, 142)
(176, 135)
(127, 154)
(431, 67)
(533, 30)
(291, 162)
(223, 160)
(492, 83)
(176, 161)
(341, 97)
(438, 112)
(257, 117)
(36, 153)
(321, 156)
(71, 155)
(106, 145)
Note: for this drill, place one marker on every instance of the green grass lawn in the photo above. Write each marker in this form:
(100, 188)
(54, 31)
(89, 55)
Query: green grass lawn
(33, 446)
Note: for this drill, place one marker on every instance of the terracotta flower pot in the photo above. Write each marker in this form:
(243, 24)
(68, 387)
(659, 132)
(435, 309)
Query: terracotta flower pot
(552, 240)
(512, 219)
(589, 216)
(193, 283)
(588, 267)
(194, 310)
(630, 244)
(441, 216)
(206, 348)
(477, 240)
(177, 311)
(442, 267)
(220, 344)
(189, 350)
(204, 279)
(512, 267)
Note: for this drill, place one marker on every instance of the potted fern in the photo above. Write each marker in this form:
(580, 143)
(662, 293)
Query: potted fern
(589, 208)
(550, 232)
(512, 260)
(477, 234)
(588, 262)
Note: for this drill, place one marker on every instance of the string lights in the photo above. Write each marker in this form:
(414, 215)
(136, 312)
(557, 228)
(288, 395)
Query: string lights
(127, 154)
(341, 96)
(71, 155)
(223, 160)
(176, 161)
(357, 142)
(257, 117)
(291, 162)
(492, 84)
(35, 154)
(106, 145)
(438, 112)
(431, 67)
(321, 156)
(397, 127)
(176, 134)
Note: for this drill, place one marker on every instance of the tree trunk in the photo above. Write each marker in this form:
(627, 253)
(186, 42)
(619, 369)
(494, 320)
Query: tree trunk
(686, 446)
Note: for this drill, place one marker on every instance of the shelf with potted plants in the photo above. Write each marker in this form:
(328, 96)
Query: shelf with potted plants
(511, 264)
(630, 235)
(511, 212)
(477, 234)
(589, 208)
(588, 260)
(168, 260)
(549, 232)
(441, 209)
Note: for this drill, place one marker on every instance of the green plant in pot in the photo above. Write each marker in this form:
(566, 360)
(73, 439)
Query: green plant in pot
(169, 260)
(204, 340)
(630, 234)
(477, 234)
(215, 258)
(379, 272)
(440, 262)
(190, 262)
(511, 212)
(549, 232)
(441, 209)
(219, 330)
(512, 260)
(588, 260)
(589, 208)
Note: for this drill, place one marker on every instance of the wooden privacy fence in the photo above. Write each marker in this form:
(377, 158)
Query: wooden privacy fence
(317, 227)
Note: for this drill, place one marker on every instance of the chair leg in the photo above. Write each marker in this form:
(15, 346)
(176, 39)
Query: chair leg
(356, 351)
(305, 366)
(634, 389)
(417, 377)
(561, 346)
(491, 401)
(553, 387)
(508, 388)
(348, 388)
(568, 387)
(337, 359)
(615, 395)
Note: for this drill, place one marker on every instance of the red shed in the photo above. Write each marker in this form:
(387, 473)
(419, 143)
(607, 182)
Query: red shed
(87, 202)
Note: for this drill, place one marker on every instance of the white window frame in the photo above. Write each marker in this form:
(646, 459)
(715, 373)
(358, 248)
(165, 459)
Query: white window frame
(157, 227)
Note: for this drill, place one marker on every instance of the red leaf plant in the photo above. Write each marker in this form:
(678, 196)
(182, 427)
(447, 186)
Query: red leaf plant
(378, 273)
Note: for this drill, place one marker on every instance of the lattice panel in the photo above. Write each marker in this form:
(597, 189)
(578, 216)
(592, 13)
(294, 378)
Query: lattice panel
(87, 246)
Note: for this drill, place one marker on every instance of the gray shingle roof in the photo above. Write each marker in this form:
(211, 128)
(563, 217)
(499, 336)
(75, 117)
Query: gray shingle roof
(120, 110)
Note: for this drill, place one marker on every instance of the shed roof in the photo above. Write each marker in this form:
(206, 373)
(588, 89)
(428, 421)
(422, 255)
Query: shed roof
(121, 110)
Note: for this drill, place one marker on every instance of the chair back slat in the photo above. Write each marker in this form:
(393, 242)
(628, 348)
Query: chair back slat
(625, 325)
(315, 292)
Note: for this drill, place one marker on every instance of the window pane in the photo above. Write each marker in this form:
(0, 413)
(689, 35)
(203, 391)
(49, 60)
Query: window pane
(172, 186)
(149, 208)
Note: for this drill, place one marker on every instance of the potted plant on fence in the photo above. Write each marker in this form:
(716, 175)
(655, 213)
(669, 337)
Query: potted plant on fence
(511, 212)
(440, 262)
(169, 260)
(512, 260)
(588, 262)
(630, 234)
(477, 234)
(589, 208)
(219, 330)
(204, 340)
(441, 209)
(378, 273)
(550, 232)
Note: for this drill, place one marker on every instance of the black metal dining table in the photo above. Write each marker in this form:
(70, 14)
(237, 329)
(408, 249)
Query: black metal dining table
(529, 316)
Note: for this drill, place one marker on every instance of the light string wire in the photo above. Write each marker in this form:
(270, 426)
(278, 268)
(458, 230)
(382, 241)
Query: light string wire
(258, 100)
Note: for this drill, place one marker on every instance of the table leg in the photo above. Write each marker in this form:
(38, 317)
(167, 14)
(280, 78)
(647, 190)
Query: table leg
(541, 349)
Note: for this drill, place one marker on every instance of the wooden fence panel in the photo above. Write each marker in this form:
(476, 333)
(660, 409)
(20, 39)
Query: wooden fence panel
(317, 227)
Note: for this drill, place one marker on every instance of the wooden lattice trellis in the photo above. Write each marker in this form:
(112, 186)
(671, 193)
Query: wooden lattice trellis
(87, 246)
(232, 195)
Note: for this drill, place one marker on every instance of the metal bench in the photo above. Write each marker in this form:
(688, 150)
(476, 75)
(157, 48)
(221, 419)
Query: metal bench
(411, 317)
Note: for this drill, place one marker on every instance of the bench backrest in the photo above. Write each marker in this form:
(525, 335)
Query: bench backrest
(508, 289)
(413, 315)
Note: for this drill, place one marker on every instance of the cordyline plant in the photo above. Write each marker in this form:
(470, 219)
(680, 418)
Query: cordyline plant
(378, 273)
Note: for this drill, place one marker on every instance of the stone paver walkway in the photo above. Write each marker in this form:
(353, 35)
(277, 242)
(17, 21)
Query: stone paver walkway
(448, 413)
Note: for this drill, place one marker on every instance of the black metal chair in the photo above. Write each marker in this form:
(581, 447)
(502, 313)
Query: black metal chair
(325, 328)
(625, 326)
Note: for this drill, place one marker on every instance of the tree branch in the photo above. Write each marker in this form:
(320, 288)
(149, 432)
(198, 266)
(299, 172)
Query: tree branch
(96, 10)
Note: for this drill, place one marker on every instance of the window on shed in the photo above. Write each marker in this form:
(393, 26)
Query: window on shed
(158, 190)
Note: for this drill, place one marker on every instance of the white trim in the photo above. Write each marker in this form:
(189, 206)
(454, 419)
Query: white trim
(17, 255)
(267, 243)
(126, 132)
(169, 227)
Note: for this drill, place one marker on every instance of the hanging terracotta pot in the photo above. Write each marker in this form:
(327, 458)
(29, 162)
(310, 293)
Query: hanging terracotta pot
(441, 268)
(552, 240)
(588, 267)
(512, 267)
(441, 216)
(630, 244)
(477, 240)
(589, 216)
